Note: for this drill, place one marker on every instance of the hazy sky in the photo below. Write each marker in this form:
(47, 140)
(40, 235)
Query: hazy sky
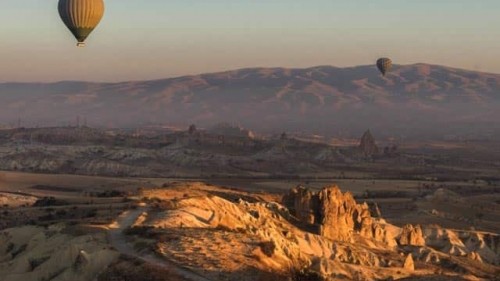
(147, 39)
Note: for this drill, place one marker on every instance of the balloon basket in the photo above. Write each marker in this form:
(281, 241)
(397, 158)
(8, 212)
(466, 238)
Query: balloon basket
(80, 44)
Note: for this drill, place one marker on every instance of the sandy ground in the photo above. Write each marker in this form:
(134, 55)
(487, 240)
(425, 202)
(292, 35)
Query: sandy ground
(119, 241)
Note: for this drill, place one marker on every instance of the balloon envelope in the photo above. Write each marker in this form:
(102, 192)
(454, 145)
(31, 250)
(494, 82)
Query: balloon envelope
(384, 65)
(81, 16)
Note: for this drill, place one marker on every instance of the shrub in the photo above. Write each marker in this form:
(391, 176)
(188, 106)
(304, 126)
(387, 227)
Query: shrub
(305, 275)
(268, 248)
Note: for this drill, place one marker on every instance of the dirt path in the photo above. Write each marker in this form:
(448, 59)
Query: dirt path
(119, 241)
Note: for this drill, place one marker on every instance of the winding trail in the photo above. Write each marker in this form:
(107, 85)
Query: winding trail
(119, 241)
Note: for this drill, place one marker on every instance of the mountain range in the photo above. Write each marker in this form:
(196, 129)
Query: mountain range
(412, 100)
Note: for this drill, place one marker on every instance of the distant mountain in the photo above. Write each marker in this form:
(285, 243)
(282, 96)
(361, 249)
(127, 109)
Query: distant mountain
(417, 99)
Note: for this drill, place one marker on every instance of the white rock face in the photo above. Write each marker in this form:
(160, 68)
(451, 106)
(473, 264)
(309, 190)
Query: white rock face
(34, 253)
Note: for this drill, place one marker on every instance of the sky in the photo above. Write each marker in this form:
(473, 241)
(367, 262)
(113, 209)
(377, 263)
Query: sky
(150, 39)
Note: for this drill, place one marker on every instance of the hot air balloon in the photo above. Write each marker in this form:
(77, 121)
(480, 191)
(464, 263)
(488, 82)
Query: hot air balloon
(81, 17)
(384, 65)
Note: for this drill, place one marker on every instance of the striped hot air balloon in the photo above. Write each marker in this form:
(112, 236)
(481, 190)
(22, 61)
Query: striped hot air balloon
(384, 65)
(81, 17)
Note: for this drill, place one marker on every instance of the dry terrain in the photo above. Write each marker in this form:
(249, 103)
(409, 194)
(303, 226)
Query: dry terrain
(146, 229)
(226, 205)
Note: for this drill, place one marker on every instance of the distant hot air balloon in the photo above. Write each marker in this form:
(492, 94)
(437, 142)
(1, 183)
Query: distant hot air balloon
(384, 65)
(81, 17)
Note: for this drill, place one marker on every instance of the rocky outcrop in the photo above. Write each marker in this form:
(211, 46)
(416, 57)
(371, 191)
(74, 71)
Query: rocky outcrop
(351, 255)
(335, 215)
(409, 264)
(304, 203)
(51, 253)
(375, 210)
(381, 234)
(324, 234)
(474, 245)
(474, 256)
(340, 216)
(432, 257)
(412, 236)
(367, 144)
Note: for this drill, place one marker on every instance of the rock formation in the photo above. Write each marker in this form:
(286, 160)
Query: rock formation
(409, 264)
(284, 136)
(367, 145)
(340, 215)
(304, 203)
(412, 236)
(324, 234)
(51, 253)
(335, 215)
(192, 129)
(375, 210)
